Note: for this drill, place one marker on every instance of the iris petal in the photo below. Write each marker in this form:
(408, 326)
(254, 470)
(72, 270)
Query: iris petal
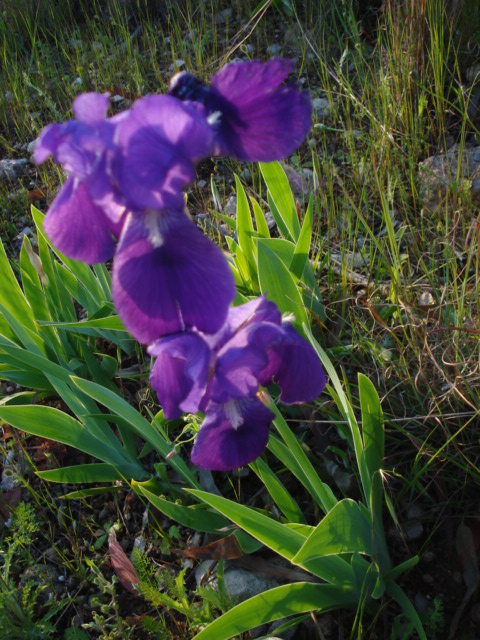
(264, 120)
(180, 372)
(295, 366)
(160, 142)
(241, 360)
(168, 276)
(220, 446)
(77, 226)
(91, 108)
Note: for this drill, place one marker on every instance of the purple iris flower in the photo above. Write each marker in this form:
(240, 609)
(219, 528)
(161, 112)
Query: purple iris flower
(126, 179)
(85, 217)
(255, 117)
(220, 375)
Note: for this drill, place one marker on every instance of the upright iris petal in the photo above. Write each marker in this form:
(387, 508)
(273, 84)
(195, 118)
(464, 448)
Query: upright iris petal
(167, 275)
(255, 117)
(159, 144)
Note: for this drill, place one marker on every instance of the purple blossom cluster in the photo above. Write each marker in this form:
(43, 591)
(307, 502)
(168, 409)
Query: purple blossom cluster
(220, 374)
(171, 285)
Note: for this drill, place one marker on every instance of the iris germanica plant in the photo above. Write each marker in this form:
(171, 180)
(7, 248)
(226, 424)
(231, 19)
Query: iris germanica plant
(171, 285)
(221, 375)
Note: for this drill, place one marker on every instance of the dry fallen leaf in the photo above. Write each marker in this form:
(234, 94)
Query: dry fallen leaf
(224, 549)
(122, 566)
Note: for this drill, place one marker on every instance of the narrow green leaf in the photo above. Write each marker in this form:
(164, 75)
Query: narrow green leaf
(198, 519)
(302, 248)
(281, 193)
(282, 498)
(281, 602)
(282, 227)
(53, 424)
(245, 227)
(112, 323)
(343, 530)
(320, 491)
(409, 610)
(346, 410)
(278, 284)
(88, 493)
(295, 466)
(260, 221)
(271, 533)
(372, 425)
(94, 472)
(149, 432)
(11, 294)
(241, 264)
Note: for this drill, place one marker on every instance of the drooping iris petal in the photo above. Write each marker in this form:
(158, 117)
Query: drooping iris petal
(265, 120)
(47, 143)
(232, 435)
(77, 226)
(160, 143)
(295, 366)
(180, 372)
(168, 276)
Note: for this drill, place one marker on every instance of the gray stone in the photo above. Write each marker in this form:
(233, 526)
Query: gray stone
(178, 64)
(230, 208)
(274, 49)
(242, 584)
(9, 480)
(321, 108)
(458, 170)
(12, 169)
(300, 181)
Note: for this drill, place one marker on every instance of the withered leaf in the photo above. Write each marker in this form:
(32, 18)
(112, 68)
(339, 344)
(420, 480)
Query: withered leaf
(122, 566)
(226, 548)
